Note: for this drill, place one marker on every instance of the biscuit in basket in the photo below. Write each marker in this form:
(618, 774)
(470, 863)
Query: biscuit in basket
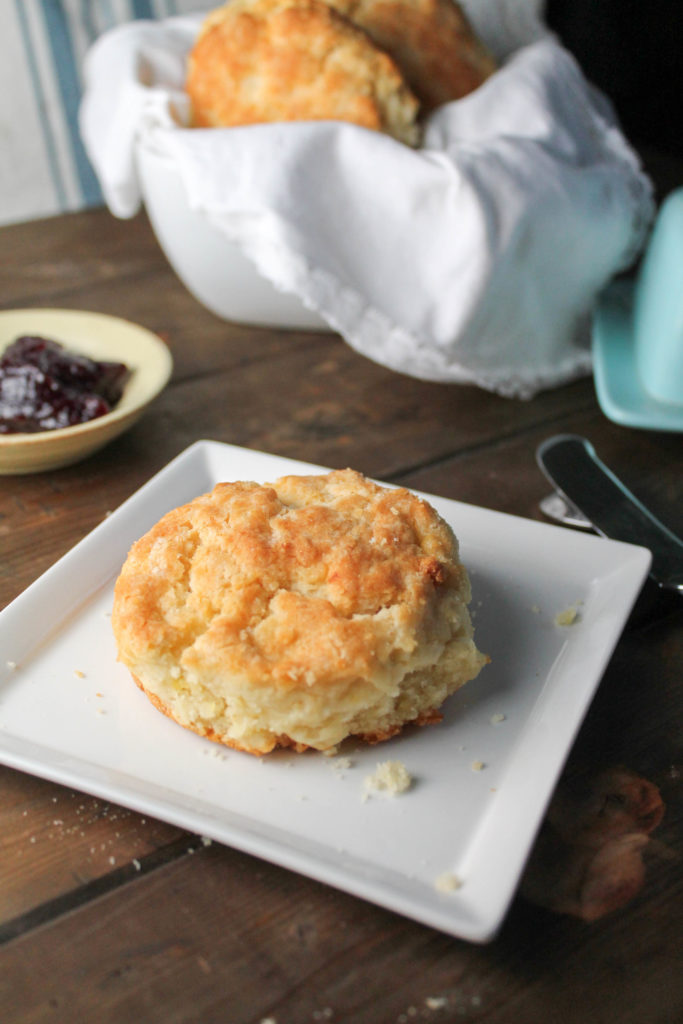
(258, 61)
(298, 613)
(431, 41)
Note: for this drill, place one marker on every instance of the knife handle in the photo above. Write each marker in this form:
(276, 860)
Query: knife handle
(574, 469)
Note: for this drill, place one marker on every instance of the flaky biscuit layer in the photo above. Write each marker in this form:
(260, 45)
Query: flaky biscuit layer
(297, 613)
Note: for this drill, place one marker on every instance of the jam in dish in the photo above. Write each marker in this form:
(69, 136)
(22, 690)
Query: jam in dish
(44, 386)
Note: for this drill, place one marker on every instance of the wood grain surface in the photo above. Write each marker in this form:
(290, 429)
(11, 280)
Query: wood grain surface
(107, 916)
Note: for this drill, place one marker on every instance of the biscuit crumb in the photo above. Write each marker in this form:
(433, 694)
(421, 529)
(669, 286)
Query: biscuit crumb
(390, 777)
(340, 765)
(447, 881)
(497, 719)
(79, 674)
(568, 616)
(477, 766)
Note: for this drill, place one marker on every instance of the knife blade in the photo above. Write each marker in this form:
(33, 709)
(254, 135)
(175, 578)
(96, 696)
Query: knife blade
(571, 464)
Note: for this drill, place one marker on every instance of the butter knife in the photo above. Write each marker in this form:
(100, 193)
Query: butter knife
(570, 463)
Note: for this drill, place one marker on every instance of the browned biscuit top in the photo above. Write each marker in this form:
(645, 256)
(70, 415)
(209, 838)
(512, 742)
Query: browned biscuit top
(258, 61)
(297, 613)
(311, 579)
(431, 41)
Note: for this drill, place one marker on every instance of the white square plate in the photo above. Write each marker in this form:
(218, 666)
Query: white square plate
(70, 713)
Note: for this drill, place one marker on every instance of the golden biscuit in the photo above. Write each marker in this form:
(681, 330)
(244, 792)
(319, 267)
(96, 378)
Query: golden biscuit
(298, 613)
(257, 61)
(431, 41)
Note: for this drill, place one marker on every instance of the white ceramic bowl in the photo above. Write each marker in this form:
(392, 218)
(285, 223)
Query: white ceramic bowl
(99, 337)
(211, 267)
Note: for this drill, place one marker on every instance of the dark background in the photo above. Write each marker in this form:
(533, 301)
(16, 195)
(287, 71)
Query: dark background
(632, 50)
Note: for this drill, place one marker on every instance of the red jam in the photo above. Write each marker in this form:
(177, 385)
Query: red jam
(44, 386)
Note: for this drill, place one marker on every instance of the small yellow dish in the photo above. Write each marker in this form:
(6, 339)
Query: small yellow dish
(100, 337)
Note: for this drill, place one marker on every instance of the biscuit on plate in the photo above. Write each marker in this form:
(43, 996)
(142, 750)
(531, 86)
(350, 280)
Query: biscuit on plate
(258, 61)
(298, 613)
(431, 41)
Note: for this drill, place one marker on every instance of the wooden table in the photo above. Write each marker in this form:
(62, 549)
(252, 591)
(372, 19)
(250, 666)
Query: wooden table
(107, 916)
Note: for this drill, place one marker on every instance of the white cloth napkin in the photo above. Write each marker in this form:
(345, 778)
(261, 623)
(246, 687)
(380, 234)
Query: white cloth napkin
(475, 259)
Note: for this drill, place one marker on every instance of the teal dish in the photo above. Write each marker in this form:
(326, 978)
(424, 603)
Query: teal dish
(638, 333)
(619, 387)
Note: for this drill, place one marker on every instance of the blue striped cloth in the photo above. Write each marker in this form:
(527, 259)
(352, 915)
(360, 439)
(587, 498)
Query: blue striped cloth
(43, 167)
